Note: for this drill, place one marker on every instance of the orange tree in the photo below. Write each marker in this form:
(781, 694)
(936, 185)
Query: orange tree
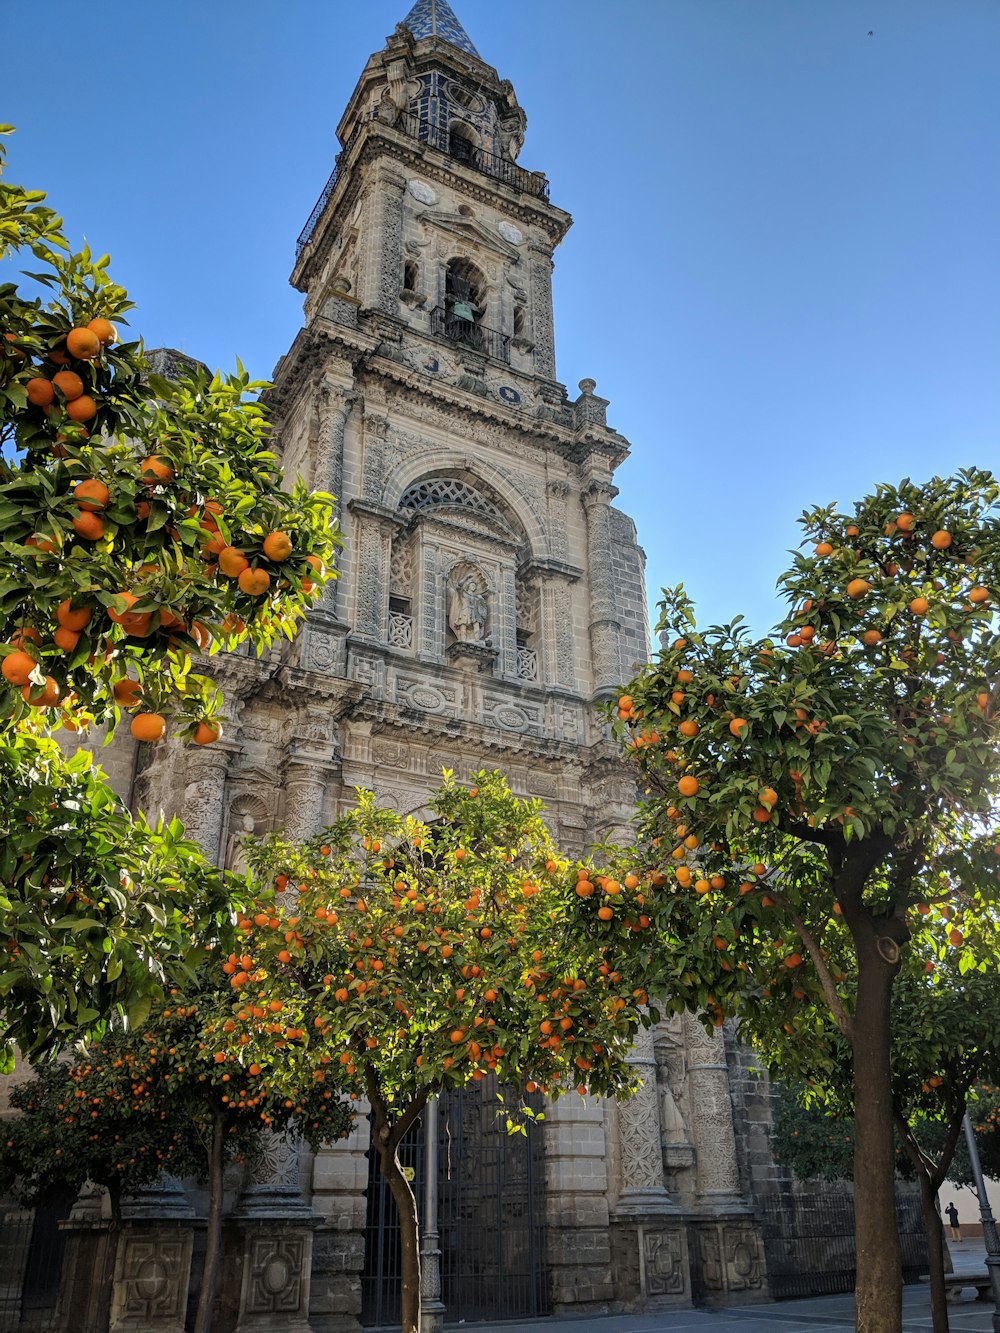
(407, 957)
(846, 767)
(141, 520)
(159, 1097)
(946, 1012)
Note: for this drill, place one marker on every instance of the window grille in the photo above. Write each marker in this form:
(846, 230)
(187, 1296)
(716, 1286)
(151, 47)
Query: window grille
(400, 630)
(527, 664)
(448, 491)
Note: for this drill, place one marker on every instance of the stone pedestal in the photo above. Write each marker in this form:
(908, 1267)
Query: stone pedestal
(276, 1229)
(152, 1274)
(277, 1263)
(651, 1265)
(727, 1261)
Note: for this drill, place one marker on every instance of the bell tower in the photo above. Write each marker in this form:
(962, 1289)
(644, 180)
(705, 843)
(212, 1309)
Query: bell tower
(422, 391)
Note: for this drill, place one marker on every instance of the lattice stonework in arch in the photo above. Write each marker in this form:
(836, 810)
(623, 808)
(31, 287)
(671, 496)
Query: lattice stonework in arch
(448, 491)
(401, 569)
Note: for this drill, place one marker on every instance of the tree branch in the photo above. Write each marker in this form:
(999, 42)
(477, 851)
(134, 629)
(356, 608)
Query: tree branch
(806, 833)
(843, 1019)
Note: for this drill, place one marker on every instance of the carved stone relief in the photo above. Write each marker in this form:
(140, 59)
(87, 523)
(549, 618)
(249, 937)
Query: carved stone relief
(151, 1281)
(663, 1262)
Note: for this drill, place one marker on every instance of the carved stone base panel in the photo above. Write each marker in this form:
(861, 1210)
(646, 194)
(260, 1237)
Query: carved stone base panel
(727, 1262)
(652, 1270)
(274, 1293)
(152, 1271)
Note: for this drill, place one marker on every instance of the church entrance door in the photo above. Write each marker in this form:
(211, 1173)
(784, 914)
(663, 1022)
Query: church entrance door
(491, 1210)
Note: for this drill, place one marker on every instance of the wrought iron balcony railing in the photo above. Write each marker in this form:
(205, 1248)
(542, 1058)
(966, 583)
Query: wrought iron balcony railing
(435, 136)
(490, 342)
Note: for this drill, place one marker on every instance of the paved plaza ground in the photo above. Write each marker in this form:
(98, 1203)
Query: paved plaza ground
(820, 1312)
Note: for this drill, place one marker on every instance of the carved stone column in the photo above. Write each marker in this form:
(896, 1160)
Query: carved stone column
(640, 1155)
(204, 796)
(387, 236)
(306, 779)
(717, 1172)
(605, 627)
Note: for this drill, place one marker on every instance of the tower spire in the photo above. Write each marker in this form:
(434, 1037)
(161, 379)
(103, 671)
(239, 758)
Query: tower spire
(436, 18)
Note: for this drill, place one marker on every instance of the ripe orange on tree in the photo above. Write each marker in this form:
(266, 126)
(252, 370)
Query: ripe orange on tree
(103, 330)
(148, 726)
(83, 344)
(17, 667)
(277, 546)
(69, 384)
(89, 526)
(42, 696)
(40, 392)
(254, 582)
(91, 494)
(155, 470)
(73, 619)
(83, 408)
(232, 561)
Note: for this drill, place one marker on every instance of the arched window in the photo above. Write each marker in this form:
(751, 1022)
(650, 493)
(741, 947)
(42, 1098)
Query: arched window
(463, 142)
(464, 301)
(411, 276)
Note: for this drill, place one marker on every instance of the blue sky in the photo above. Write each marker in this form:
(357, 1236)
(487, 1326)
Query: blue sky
(784, 269)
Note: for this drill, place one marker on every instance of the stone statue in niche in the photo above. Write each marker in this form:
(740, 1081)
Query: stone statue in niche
(236, 858)
(468, 610)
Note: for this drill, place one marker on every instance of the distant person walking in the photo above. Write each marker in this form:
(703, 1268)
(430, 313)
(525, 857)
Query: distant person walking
(954, 1230)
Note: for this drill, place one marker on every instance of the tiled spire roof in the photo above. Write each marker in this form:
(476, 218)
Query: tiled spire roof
(436, 18)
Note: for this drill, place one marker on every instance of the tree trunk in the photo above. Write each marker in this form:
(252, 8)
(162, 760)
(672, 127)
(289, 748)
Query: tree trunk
(409, 1238)
(935, 1252)
(879, 1280)
(213, 1240)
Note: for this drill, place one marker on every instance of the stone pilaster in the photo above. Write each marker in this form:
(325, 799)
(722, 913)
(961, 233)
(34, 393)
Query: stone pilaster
(340, 1179)
(542, 324)
(373, 533)
(640, 1157)
(387, 238)
(336, 402)
(204, 796)
(711, 1109)
(605, 627)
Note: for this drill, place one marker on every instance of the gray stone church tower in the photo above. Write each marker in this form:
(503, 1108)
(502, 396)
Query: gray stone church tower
(489, 595)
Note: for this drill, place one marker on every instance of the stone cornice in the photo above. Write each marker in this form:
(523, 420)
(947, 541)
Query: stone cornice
(547, 568)
(389, 718)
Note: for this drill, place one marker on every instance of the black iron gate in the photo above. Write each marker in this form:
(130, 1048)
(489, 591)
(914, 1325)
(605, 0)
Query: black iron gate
(490, 1216)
